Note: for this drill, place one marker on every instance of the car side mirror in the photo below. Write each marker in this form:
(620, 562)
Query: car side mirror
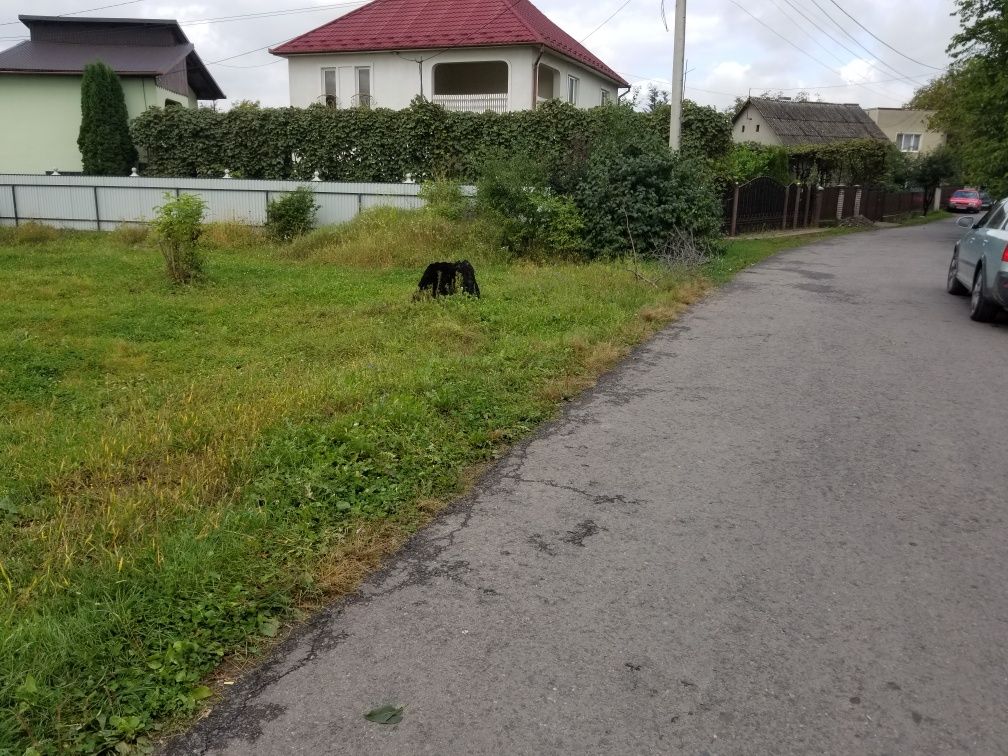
(965, 222)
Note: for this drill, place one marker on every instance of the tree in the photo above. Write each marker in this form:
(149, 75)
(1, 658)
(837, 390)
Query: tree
(931, 170)
(971, 100)
(104, 139)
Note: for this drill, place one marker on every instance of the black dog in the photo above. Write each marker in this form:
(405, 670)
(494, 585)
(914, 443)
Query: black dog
(440, 279)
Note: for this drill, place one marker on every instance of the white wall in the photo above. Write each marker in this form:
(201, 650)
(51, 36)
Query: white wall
(590, 83)
(395, 80)
(750, 127)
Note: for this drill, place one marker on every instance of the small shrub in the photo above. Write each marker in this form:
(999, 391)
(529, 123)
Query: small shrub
(534, 221)
(233, 234)
(29, 233)
(177, 228)
(292, 215)
(646, 199)
(130, 235)
(445, 198)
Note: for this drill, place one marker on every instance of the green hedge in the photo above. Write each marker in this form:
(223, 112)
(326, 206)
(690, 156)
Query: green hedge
(386, 145)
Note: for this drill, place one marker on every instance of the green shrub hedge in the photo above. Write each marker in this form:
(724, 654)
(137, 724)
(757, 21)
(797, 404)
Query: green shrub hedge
(423, 140)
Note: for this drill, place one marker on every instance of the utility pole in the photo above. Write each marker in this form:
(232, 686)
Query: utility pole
(679, 53)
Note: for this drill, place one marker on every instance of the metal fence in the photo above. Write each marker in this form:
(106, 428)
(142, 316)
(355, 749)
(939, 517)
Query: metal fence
(102, 202)
(764, 204)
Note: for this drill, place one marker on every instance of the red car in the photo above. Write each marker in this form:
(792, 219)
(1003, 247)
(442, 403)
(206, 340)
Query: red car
(968, 200)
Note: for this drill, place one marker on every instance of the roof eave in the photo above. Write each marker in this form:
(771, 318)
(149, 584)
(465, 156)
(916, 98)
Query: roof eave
(619, 81)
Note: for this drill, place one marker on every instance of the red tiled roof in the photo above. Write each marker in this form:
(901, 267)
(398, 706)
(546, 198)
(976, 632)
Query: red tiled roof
(433, 24)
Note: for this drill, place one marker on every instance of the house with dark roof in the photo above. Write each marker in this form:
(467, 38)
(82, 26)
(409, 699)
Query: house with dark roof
(791, 123)
(467, 55)
(40, 81)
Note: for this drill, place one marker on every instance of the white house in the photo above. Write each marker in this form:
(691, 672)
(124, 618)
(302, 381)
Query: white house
(467, 55)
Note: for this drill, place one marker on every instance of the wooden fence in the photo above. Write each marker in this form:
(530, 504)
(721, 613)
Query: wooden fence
(764, 204)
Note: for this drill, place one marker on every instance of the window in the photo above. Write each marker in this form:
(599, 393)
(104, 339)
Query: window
(363, 93)
(572, 89)
(908, 142)
(606, 97)
(743, 128)
(995, 219)
(330, 87)
(757, 128)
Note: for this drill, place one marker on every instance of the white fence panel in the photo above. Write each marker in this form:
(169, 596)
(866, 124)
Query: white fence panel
(104, 202)
(121, 204)
(71, 207)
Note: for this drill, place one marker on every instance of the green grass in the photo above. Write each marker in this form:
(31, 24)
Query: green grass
(182, 469)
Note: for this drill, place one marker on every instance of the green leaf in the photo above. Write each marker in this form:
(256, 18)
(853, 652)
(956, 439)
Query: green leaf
(26, 689)
(200, 692)
(269, 627)
(385, 715)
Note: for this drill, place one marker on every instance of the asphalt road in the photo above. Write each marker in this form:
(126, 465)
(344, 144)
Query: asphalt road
(779, 527)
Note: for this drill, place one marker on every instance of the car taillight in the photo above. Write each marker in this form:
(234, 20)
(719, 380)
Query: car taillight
(1004, 255)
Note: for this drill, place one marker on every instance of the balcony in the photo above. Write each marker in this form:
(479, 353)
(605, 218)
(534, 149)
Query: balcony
(472, 103)
(471, 87)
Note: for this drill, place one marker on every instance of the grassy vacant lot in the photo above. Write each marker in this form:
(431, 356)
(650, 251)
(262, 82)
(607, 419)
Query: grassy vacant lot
(183, 469)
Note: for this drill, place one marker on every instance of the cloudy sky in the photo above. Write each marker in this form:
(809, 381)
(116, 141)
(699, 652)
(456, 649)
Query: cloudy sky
(732, 47)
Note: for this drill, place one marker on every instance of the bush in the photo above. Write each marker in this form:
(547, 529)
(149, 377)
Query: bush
(649, 199)
(750, 160)
(533, 219)
(177, 228)
(292, 215)
(445, 198)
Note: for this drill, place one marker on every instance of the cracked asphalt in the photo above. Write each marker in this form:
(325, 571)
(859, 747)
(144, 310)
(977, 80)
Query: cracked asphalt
(778, 527)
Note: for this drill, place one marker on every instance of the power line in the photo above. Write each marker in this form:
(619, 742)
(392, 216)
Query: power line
(837, 41)
(802, 29)
(614, 14)
(86, 10)
(796, 47)
(882, 41)
(855, 40)
(267, 14)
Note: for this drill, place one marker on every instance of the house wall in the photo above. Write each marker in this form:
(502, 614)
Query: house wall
(895, 121)
(43, 136)
(750, 126)
(590, 83)
(395, 80)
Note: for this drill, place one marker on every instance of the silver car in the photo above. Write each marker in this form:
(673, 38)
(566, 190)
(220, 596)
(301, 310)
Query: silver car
(979, 264)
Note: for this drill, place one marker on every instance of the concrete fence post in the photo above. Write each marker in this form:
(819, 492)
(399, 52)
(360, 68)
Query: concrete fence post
(818, 205)
(787, 196)
(797, 204)
(857, 201)
(839, 202)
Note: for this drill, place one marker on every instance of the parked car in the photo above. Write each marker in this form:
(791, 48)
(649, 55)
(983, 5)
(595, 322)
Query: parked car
(979, 264)
(985, 201)
(967, 200)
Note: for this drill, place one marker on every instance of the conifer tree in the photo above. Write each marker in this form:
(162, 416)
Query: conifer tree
(104, 139)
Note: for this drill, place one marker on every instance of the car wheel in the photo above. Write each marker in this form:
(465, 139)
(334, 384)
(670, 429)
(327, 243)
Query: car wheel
(953, 285)
(982, 309)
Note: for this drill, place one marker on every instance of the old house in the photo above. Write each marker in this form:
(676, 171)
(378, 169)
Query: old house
(789, 122)
(467, 55)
